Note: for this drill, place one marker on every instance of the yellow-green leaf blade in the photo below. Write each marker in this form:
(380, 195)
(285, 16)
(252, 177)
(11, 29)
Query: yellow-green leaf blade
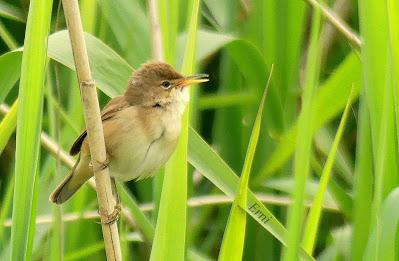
(314, 215)
(234, 236)
(28, 128)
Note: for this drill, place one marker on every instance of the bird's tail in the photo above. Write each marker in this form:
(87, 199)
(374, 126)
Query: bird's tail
(76, 178)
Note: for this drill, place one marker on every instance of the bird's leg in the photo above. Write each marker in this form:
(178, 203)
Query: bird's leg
(118, 207)
(115, 192)
(114, 216)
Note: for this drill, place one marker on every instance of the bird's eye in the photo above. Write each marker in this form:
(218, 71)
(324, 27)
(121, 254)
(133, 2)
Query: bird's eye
(165, 84)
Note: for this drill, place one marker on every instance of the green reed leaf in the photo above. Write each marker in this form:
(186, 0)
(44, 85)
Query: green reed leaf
(29, 119)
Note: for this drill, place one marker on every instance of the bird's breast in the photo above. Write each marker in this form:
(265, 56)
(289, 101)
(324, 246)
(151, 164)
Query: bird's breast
(144, 142)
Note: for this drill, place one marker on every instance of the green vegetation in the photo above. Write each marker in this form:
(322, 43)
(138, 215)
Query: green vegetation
(309, 171)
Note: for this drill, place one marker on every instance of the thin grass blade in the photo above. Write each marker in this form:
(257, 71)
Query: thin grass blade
(234, 235)
(313, 219)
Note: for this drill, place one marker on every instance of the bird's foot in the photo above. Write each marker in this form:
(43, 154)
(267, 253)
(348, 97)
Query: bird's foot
(100, 165)
(109, 219)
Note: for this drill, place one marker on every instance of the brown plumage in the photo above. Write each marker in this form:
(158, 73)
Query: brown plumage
(141, 128)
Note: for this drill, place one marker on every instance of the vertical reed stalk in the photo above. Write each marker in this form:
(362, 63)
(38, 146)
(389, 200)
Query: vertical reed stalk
(157, 49)
(157, 54)
(94, 128)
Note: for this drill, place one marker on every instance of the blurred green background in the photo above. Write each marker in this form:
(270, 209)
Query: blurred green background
(310, 154)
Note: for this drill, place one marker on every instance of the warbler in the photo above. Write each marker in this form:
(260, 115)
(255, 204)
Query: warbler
(141, 128)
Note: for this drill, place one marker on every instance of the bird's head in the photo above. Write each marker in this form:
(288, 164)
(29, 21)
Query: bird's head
(158, 84)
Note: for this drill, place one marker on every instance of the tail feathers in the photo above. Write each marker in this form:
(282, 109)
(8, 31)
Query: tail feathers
(62, 193)
(69, 185)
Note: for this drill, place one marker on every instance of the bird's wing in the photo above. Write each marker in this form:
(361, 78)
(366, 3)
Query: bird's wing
(113, 106)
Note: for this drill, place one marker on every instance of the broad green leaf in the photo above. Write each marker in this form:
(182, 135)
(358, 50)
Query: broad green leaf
(234, 235)
(29, 119)
(104, 62)
(313, 219)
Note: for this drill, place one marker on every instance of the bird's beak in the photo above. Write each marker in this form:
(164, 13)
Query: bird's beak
(193, 79)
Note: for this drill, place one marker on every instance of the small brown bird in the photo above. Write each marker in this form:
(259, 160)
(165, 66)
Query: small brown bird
(141, 128)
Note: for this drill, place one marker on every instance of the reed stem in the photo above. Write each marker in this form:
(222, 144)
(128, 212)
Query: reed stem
(94, 128)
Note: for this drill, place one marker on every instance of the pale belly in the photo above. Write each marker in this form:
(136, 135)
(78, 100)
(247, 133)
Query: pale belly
(138, 157)
(136, 160)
